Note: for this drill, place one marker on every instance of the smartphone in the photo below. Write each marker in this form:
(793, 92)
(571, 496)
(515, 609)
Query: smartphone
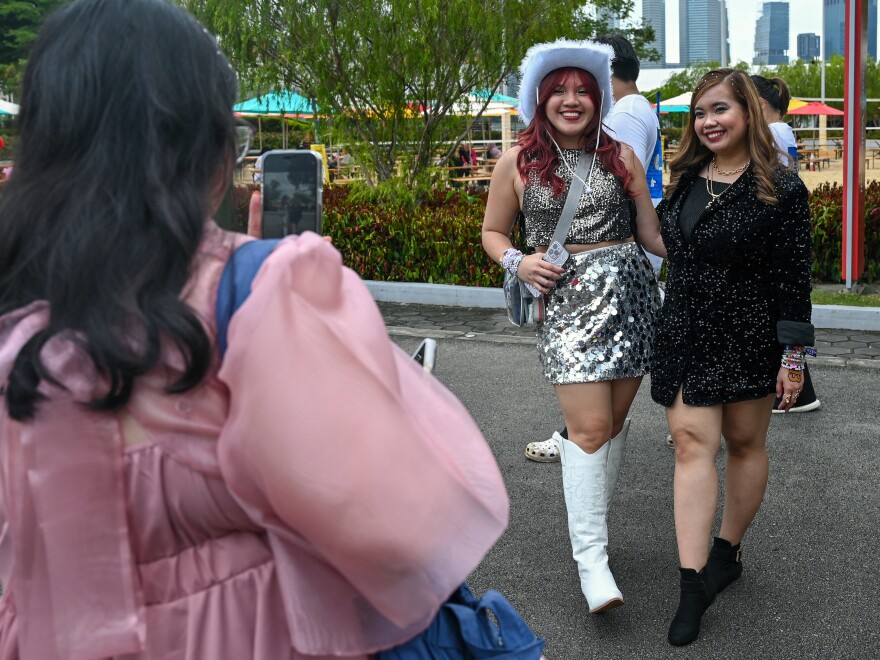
(426, 354)
(291, 183)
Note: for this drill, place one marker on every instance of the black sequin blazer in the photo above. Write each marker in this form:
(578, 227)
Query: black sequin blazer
(735, 293)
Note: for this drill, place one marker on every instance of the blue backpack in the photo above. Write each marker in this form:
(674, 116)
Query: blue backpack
(463, 630)
(235, 283)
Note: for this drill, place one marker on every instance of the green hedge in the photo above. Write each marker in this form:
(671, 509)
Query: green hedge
(826, 204)
(439, 241)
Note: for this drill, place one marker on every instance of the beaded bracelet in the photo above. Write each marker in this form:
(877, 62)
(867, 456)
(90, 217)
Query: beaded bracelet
(793, 358)
(510, 260)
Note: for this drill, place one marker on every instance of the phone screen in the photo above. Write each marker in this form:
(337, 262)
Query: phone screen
(292, 182)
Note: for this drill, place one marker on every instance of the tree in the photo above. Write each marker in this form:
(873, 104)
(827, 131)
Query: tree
(19, 22)
(596, 23)
(685, 81)
(390, 74)
(804, 80)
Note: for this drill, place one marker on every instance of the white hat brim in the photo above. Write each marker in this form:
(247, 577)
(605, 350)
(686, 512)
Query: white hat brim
(541, 59)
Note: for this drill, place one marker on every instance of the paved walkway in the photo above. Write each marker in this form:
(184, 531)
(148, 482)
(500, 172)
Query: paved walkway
(835, 347)
(809, 588)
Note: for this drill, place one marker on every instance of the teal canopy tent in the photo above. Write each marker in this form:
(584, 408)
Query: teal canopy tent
(281, 104)
(496, 98)
(7, 108)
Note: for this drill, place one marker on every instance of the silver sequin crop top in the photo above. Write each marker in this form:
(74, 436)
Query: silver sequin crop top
(602, 216)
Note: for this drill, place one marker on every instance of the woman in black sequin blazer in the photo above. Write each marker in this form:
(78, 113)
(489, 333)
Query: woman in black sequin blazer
(736, 228)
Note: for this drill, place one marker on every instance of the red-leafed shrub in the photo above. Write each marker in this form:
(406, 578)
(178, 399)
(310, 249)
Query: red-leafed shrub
(826, 204)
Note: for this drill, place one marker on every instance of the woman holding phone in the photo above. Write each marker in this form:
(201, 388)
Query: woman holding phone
(734, 324)
(595, 341)
(155, 500)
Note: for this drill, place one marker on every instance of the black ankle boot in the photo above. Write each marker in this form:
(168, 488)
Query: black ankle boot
(694, 601)
(725, 564)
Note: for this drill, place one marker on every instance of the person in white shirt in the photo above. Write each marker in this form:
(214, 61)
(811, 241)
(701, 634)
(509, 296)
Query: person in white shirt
(633, 121)
(775, 98)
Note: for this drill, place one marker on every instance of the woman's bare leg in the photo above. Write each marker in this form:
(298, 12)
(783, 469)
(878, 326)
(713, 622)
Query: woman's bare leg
(696, 431)
(745, 427)
(588, 412)
(623, 391)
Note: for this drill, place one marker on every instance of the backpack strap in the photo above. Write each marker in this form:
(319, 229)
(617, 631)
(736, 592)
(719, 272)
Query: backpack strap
(235, 283)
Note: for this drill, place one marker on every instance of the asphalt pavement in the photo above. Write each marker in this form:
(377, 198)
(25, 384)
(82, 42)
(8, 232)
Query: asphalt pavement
(810, 585)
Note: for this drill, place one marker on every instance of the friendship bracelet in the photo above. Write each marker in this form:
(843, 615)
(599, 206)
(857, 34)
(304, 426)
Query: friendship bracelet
(510, 260)
(793, 358)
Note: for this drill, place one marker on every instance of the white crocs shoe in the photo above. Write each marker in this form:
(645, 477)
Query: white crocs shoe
(546, 451)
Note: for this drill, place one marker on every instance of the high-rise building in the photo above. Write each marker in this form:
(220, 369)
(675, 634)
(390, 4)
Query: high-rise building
(654, 14)
(699, 31)
(771, 34)
(835, 23)
(611, 19)
(808, 46)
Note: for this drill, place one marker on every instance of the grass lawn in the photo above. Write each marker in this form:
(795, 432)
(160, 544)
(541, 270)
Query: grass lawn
(854, 299)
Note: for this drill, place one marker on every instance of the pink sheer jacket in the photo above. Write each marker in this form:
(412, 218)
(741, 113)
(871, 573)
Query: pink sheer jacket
(318, 495)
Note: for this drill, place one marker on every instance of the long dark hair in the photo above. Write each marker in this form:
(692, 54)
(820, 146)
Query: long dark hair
(762, 147)
(126, 126)
(537, 151)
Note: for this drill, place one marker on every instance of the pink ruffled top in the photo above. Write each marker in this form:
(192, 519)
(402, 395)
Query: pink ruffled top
(319, 495)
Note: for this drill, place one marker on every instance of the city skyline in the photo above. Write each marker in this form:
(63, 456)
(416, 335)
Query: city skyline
(805, 17)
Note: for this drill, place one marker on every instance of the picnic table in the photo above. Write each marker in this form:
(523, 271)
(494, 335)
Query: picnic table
(478, 174)
(816, 158)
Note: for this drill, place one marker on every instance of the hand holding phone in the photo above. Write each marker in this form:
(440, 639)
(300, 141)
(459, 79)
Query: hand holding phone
(255, 215)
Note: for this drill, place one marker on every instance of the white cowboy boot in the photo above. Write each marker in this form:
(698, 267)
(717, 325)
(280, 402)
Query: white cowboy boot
(616, 446)
(584, 482)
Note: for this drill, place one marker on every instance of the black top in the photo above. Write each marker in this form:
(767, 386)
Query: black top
(735, 293)
(695, 203)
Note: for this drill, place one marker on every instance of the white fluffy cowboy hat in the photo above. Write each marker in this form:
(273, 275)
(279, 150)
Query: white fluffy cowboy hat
(541, 59)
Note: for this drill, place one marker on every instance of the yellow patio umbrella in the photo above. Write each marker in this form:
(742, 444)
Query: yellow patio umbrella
(794, 104)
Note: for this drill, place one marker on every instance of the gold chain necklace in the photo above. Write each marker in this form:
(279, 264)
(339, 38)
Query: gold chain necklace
(714, 166)
(709, 187)
(739, 169)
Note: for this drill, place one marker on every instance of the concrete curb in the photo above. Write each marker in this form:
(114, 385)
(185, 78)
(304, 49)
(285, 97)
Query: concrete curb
(449, 295)
(839, 317)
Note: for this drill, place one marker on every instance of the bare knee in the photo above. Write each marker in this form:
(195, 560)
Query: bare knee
(591, 436)
(745, 447)
(692, 447)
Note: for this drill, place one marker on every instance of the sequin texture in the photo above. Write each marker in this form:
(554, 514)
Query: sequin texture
(744, 272)
(600, 216)
(599, 319)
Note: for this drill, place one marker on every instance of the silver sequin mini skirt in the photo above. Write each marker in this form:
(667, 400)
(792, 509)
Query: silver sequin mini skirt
(599, 318)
